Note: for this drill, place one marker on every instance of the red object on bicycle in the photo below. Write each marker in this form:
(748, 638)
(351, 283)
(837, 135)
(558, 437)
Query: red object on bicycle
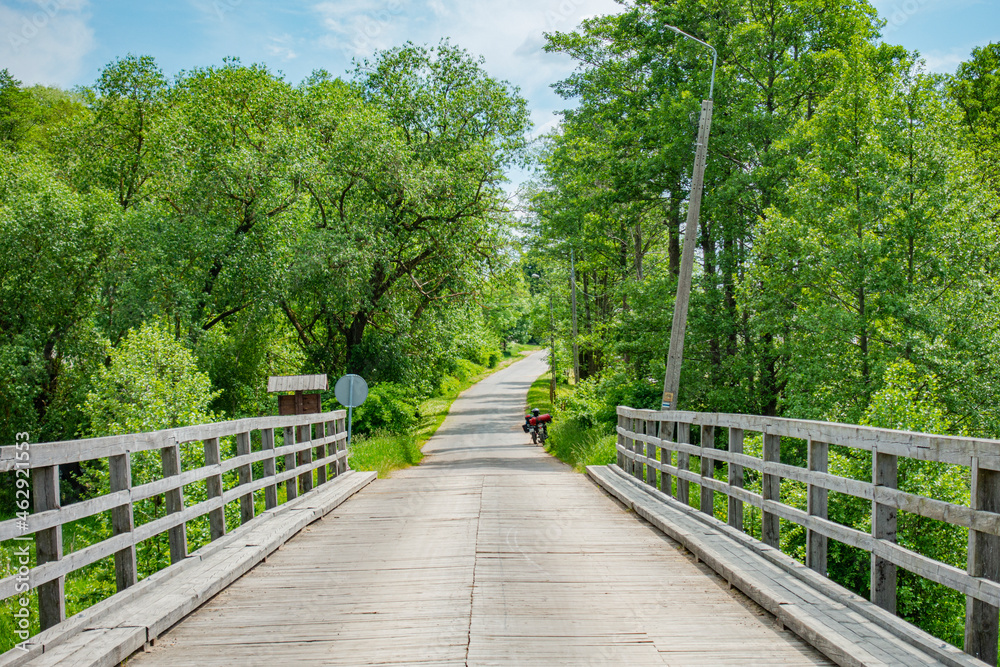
(540, 419)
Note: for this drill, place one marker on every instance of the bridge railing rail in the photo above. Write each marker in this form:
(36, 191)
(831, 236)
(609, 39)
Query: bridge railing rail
(651, 442)
(297, 451)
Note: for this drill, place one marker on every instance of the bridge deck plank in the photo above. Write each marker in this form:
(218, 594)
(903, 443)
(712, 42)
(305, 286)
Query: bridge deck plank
(490, 552)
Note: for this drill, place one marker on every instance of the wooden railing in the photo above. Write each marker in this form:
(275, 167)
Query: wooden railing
(311, 450)
(651, 442)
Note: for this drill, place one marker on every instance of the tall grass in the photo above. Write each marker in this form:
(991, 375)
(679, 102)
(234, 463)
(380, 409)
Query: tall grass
(568, 441)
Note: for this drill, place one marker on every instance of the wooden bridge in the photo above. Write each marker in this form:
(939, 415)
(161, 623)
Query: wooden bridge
(492, 552)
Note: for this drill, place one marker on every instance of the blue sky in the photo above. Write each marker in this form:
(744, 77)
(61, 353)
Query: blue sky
(67, 42)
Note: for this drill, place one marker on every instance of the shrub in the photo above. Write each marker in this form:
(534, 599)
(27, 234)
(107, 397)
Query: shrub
(390, 407)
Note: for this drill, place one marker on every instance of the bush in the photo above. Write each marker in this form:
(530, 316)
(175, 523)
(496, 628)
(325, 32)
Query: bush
(151, 383)
(595, 401)
(390, 407)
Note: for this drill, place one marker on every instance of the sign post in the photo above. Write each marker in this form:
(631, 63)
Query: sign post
(351, 390)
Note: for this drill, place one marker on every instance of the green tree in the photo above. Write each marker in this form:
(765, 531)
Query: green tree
(151, 382)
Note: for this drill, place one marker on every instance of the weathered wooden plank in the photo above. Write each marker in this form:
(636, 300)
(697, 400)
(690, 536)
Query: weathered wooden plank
(650, 430)
(267, 447)
(291, 486)
(296, 383)
(73, 451)
(981, 617)
(707, 500)
(170, 483)
(123, 522)
(734, 513)
(48, 547)
(817, 505)
(683, 462)
(883, 572)
(244, 478)
(771, 490)
(921, 446)
(170, 457)
(214, 488)
(43, 520)
(860, 634)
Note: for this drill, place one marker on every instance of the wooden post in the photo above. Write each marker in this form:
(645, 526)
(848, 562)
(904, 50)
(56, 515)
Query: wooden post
(123, 521)
(817, 544)
(621, 443)
(49, 546)
(270, 491)
(305, 458)
(334, 448)
(883, 581)
(635, 426)
(651, 453)
(734, 512)
(245, 473)
(342, 427)
(170, 457)
(321, 453)
(291, 487)
(683, 462)
(981, 626)
(707, 471)
(666, 433)
(213, 487)
(770, 523)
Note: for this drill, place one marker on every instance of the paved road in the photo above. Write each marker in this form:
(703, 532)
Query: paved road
(490, 552)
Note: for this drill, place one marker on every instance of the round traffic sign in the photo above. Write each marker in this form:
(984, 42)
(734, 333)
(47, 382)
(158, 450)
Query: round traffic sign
(351, 390)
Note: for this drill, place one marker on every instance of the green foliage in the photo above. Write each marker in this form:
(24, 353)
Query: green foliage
(581, 447)
(389, 408)
(151, 382)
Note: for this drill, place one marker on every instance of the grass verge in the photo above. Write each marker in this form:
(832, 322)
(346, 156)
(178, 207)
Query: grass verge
(385, 452)
(568, 441)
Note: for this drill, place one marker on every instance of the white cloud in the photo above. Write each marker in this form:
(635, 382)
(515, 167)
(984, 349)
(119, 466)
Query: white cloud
(946, 62)
(281, 47)
(45, 41)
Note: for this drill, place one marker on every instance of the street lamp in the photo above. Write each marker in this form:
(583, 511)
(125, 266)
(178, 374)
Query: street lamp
(552, 341)
(672, 380)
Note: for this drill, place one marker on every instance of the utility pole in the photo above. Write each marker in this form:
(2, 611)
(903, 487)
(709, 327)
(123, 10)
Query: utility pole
(671, 383)
(576, 348)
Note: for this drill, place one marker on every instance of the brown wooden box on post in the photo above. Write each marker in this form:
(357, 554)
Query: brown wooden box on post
(299, 403)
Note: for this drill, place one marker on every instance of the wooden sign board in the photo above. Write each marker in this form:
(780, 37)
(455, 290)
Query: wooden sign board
(310, 404)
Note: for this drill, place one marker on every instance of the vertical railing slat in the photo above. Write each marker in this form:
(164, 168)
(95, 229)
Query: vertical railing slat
(707, 500)
(817, 506)
(321, 452)
(291, 486)
(170, 457)
(734, 511)
(245, 474)
(883, 572)
(49, 546)
(305, 458)
(213, 488)
(123, 521)
(650, 452)
(269, 468)
(771, 490)
(666, 433)
(683, 462)
(981, 618)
